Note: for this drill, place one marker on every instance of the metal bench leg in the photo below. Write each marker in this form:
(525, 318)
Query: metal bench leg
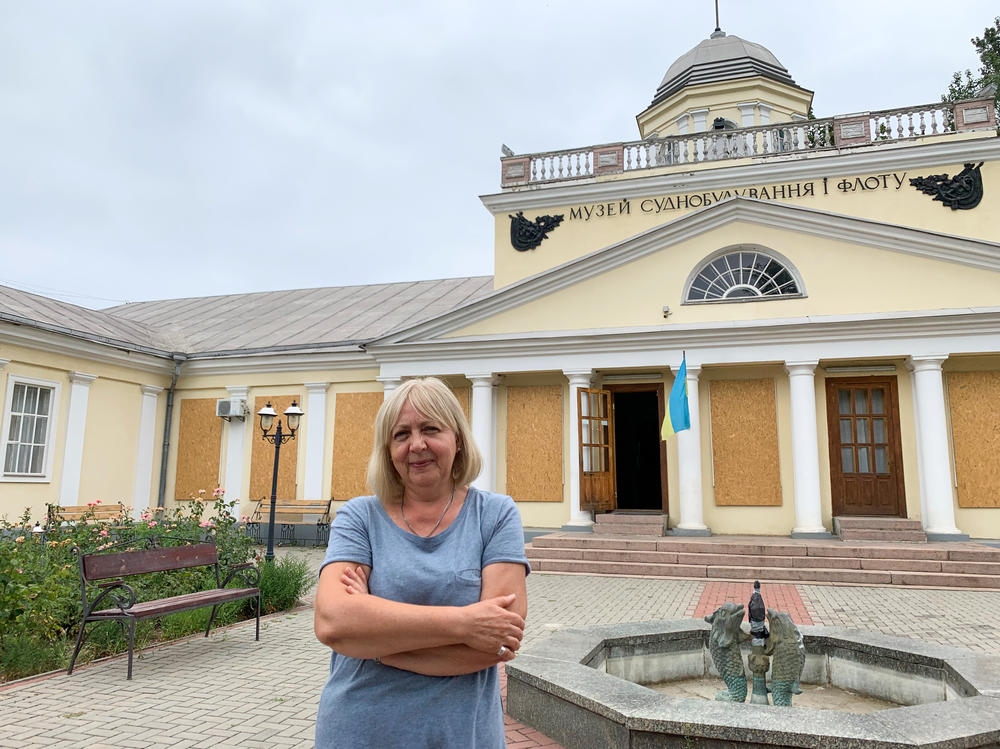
(257, 637)
(211, 618)
(131, 644)
(79, 644)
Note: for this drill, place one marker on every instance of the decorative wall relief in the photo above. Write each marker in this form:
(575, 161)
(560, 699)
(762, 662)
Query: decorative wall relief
(527, 235)
(963, 191)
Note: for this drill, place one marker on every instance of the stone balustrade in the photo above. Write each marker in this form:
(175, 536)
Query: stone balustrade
(796, 137)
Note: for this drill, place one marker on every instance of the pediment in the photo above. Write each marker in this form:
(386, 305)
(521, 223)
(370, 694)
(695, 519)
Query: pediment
(649, 268)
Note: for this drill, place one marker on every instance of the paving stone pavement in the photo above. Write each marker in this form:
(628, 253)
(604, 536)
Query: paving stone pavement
(229, 691)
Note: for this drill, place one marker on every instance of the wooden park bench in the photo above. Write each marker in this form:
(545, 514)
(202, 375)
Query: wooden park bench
(82, 513)
(109, 568)
(290, 514)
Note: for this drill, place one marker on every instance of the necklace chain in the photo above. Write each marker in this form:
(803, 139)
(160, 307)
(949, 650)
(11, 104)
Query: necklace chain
(403, 513)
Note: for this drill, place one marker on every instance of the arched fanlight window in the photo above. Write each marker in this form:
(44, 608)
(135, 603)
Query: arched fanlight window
(742, 274)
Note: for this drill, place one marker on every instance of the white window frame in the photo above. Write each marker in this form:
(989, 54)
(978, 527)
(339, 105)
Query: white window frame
(46, 476)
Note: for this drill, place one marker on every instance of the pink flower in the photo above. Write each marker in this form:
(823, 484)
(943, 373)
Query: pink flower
(206, 524)
(152, 523)
(19, 540)
(201, 492)
(218, 492)
(91, 504)
(20, 571)
(97, 502)
(103, 533)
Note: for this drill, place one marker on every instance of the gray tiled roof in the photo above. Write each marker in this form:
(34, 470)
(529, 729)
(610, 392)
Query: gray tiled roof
(22, 307)
(300, 317)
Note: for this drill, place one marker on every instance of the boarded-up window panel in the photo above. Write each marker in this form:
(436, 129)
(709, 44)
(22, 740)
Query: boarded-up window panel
(353, 435)
(199, 445)
(745, 443)
(464, 396)
(262, 453)
(535, 443)
(975, 426)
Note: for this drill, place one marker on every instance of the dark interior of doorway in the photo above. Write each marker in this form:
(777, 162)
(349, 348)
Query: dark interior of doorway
(637, 451)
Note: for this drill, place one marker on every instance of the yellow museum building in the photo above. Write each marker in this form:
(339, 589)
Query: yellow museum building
(833, 283)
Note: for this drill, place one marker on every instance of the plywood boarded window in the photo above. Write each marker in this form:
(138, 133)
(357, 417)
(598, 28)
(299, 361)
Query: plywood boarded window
(975, 427)
(262, 453)
(353, 434)
(199, 446)
(463, 396)
(535, 443)
(745, 443)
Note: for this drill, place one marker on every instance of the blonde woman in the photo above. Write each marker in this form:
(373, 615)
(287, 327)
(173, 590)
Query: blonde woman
(422, 592)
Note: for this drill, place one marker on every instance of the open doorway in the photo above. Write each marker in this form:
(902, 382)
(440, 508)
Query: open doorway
(640, 457)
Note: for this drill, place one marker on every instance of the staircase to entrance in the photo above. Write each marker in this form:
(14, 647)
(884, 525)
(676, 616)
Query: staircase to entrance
(617, 549)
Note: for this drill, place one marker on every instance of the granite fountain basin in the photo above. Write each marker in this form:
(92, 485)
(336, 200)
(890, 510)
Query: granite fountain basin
(585, 688)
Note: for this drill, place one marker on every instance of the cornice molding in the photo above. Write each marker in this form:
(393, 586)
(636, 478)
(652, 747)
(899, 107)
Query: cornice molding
(917, 242)
(281, 361)
(771, 169)
(726, 335)
(64, 344)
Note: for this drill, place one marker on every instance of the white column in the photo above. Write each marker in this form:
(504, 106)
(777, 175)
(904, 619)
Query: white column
(315, 439)
(76, 429)
(143, 485)
(578, 378)
(921, 479)
(389, 383)
(699, 116)
(747, 113)
(484, 427)
(236, 431)
(932, 440)
(805, 449)
(690, 494)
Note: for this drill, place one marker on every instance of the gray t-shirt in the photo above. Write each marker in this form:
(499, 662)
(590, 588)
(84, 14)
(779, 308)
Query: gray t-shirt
(367, 704)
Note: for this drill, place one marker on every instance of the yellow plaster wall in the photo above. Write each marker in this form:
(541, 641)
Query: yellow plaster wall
(116, 392)
(111, 442)
(840, 278)
(894, 204)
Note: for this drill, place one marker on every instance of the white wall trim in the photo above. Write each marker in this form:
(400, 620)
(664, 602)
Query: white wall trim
(315, 447)
(76, 431)
(146, 447)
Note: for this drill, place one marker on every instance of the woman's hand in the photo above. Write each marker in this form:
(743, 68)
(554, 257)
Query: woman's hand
(490, 624)
(355, 580)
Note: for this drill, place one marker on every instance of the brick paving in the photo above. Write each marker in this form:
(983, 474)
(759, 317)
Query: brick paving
(229, 691)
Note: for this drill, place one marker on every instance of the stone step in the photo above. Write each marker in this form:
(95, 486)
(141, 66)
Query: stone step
(875, 523)
(769, 546)
(744, 560)
(893, 536)
(634, 524)
(770, 574)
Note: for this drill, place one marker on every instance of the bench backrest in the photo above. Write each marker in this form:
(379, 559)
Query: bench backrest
(295, 510)
(124, 563)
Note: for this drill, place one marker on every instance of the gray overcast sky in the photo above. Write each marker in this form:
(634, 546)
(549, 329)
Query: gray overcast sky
(162, 149)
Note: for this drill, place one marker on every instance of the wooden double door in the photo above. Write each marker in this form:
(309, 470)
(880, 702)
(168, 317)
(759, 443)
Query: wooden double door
(866, 465)
(623, 462)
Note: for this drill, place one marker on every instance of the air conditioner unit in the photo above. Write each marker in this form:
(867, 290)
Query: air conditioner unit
(231, 408)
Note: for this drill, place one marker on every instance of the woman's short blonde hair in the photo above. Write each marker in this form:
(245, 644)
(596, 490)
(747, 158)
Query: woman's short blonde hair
(433, 399)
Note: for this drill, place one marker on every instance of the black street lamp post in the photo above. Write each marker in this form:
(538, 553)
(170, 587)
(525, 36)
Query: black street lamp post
(267, 416)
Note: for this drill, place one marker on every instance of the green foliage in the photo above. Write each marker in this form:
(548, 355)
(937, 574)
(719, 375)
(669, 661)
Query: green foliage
(965, 85)
(40, 603)
(282, 583)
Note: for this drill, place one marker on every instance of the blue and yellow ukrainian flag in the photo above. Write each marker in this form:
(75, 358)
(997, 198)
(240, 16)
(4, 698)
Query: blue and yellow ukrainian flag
(678, 416)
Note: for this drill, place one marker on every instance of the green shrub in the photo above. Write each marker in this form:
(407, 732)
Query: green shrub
(283, 583)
